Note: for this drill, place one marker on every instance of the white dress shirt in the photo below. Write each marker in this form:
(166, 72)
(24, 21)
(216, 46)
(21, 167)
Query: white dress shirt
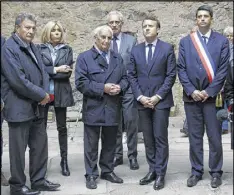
(207, 35)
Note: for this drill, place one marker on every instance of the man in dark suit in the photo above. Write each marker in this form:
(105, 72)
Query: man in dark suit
(4, 181)
(24, 86)
(122, 43)
(202, 67)
(152, 73)
(101, 77)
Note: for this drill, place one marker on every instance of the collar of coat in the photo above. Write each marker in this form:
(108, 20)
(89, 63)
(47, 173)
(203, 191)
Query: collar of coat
(96, 53)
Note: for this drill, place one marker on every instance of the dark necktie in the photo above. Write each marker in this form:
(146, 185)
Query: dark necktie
(104, 55)
(149, 53)
(205, 39)
(115, 46)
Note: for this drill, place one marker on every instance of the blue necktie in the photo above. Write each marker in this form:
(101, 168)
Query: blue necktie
(115, 46)
(205, 39)
(104, 55)
(149, 54)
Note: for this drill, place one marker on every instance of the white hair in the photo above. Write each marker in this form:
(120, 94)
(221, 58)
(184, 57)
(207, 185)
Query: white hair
(96, 32)
(228, 31)
(115, 13)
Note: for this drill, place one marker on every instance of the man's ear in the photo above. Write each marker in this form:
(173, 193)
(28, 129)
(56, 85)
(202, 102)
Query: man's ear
(17, 28)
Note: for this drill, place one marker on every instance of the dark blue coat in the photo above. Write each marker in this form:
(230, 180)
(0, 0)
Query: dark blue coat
(92, 72)
(155, 78)
(63, 96)
(24, 82)
(191, 72)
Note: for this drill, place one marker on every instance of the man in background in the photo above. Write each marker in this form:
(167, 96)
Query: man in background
(122, 43)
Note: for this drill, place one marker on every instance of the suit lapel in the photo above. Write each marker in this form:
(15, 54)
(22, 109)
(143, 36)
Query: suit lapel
(155, 55)
(112, 64)
(211, 41)
(61, 53)
(37, 55)
(100, 60)
(122, 44)
(46, 54)
(143, 56)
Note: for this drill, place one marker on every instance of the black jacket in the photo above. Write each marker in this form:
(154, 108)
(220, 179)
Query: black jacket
(62, 88)
(24, 82)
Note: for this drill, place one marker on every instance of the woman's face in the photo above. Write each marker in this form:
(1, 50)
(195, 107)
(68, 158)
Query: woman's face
(55, 35)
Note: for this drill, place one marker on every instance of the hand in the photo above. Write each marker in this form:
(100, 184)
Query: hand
(63, 68)
(115, 90)
(154, 100)
(108, 87)
(45, 100)
(205, 95)
(197, 95)
(146, 101)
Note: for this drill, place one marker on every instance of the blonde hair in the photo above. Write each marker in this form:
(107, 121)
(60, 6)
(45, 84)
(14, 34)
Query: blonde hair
(45, 36)
(96, 32)
(228, 31)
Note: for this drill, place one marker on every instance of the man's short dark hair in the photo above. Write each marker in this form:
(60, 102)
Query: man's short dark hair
(154, 18)
(205, 8)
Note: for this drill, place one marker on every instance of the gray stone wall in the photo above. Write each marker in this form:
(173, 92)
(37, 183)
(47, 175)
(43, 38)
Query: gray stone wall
(80, 18)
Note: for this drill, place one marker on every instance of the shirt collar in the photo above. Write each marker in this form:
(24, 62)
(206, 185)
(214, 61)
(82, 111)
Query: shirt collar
(154, 43)
(57, 47)
(99, 51)
(24, 43)
(207, 34)
(119, 36)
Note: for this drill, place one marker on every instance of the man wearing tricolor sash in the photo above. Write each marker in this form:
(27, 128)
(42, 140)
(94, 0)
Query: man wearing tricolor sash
(202, 67)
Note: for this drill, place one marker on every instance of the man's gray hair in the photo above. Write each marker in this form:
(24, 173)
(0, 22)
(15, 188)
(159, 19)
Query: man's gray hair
(96, 32)
(22, 16)
(115, 13)
(228, 31)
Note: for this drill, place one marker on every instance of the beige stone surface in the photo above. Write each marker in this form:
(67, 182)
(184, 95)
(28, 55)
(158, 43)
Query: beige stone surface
(80, 18)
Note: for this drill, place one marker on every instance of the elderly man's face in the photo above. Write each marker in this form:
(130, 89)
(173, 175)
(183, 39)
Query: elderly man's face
(230, 37)
(115, 24)
(103, 40)
(26, 30)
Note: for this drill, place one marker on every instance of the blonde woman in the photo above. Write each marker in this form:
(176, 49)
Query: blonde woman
(57, 57)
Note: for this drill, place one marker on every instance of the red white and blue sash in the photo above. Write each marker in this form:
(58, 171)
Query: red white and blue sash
(204, 55)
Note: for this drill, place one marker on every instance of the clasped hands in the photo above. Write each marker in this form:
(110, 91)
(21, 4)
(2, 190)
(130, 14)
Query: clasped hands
(199, 95)
(112, 89)
(63, 68)
(45, 100)
(149, 102)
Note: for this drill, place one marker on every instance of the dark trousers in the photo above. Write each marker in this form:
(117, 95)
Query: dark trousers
(108, 139)
(200, 114)
(61, 116)
(32, 134)
(185, 125)
(155, 133)
(129, 118)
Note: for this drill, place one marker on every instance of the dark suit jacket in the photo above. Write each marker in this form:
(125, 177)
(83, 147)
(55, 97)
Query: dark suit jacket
(92, 72)
(24, 82)
(62, 88)
(191, 72)
(155, 78)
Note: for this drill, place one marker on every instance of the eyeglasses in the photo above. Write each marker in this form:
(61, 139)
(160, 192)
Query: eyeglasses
(114, 22)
